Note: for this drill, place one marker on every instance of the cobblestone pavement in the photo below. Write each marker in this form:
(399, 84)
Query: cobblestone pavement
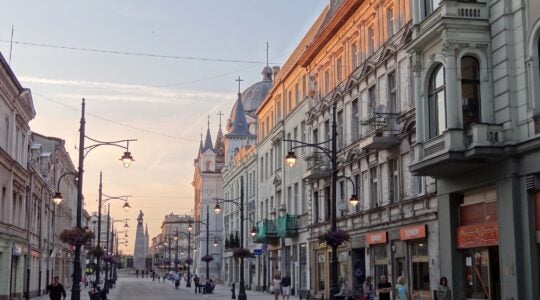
(129, 287)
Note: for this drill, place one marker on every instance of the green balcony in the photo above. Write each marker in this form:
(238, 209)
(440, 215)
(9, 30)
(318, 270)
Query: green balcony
(288, 226)
(267, 232)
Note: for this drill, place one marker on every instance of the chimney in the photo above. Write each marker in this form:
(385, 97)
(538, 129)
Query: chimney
(275, 70)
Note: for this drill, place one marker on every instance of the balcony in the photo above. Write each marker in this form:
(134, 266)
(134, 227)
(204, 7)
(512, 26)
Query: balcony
(459, 150)
(451, 14)
(318, 166)
(378, 131)
(287, 226)
(267, 232)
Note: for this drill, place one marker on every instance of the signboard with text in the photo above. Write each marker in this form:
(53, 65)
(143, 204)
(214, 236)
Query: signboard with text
(378, 237)
(412, 232)
(480, 235)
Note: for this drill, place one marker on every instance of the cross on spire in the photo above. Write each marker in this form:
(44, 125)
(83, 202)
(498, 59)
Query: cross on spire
(220, 114)
(239, 82)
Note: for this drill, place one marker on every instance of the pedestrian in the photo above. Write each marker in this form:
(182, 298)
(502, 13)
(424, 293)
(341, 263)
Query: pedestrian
(276, 286)
(443, 293)
(384, 288)
(176, 277)
(153, 276)
(286, 285)
(137, 273)
(85, 280)
(402, 293)
(56, 289)
(369, 293)
(196, 281)
(92, 279)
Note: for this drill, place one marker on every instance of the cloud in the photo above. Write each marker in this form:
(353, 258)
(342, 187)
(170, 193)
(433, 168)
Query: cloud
(110, 91)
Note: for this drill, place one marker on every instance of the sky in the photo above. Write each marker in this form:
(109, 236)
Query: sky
(198, 48)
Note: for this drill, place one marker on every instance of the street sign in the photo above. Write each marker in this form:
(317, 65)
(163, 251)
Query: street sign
(257, 252)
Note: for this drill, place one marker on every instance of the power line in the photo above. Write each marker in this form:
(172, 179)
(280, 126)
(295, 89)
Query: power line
(131, 53)
(116, 122)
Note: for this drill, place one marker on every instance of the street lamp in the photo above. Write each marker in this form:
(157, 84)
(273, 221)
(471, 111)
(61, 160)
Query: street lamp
(242, 289)
(83, 151)
(253, 232)
(332, 155)
(127, 159)
(57, 198)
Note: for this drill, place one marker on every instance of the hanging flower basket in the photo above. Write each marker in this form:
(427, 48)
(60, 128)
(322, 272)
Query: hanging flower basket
(97, 251)
(335, 238)
(108, 258)
(176, 262)
(188, 260)
(76, 236)
(207, 258)
(241, 253)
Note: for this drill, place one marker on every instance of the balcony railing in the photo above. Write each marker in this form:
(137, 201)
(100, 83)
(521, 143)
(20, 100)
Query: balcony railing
(267, 231)
(318, 165)
(287, 226)
(378, 131)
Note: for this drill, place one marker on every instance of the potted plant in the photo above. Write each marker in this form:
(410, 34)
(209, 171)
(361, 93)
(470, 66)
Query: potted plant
(188, 260)
(335, 238)
(108, 258)
(97, 251)
(207, 258)
(76, 236)
(241, 253)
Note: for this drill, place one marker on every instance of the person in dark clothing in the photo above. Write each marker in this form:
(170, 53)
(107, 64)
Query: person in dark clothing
(56, 290)
(286, 286)
(384, 287)
(137, 273)
(197, 287)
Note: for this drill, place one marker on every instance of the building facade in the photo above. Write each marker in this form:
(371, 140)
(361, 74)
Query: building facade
(476, 80)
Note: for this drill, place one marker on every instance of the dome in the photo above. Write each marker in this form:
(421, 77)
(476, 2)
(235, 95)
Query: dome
(253, 96)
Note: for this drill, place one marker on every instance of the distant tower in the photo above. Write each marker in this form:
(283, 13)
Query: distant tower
(147, 240)
(139, 257)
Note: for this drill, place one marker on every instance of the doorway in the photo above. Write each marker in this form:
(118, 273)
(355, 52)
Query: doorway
(481, 273)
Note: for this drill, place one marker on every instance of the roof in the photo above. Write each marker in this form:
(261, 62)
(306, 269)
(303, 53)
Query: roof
(253, 96)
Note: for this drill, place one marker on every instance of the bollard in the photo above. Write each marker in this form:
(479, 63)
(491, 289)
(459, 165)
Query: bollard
(233, 292)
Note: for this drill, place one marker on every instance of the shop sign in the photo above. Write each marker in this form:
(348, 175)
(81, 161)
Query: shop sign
(480, 235)
(412, 232)
(378, 237)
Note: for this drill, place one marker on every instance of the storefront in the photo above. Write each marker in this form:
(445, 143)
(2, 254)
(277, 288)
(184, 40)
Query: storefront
(415, 240)
(378, 252)
(477, 242)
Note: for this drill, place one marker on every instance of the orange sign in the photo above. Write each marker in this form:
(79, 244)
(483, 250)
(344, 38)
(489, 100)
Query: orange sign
(412, 232)
(378, 237)
(480, 235)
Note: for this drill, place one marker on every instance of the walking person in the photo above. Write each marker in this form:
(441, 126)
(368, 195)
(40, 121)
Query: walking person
(92, 280)
(402, 293)
(369, 293)
(276, 286)
(176, 277)
(443, 292)
(85, 280)
(56, 290)
(196, 281)
(384, 288)
(286, 286)
(137, 273)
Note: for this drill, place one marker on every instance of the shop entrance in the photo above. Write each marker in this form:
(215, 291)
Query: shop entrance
(481, 273)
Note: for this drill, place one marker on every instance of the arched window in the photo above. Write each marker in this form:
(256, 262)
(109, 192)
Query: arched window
(470, 90)
(437, 102)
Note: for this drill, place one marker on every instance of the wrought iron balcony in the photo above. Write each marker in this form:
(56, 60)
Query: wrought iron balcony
(267, 231)
(318, 166)
(379, 131)
(287, 226)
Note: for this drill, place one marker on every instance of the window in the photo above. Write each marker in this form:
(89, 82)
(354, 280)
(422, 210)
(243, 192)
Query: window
(393, 181)
(290, 101)
(316, 207)
(354, 56)
(3, 205)
(327, 133)
(470, 90)
(340, 132)
(278, 105)
(430, 6)
(339, 70)
(354, 120)
(266, 168)
(297, 205)
(437, 102)
(315, 136)
(289, 200)
(390, 20)
(303, 134)
(302, 274)
(420, 267)
(272, 161)
(321, 271)
(343, 268)
(262, 169)
(357, 191)
(304, 86)
(373, 187)
(267, 124)
(371, 40)
(392, 99)
(303, 198)
(296, 94)
(372, 100)
(380, 263)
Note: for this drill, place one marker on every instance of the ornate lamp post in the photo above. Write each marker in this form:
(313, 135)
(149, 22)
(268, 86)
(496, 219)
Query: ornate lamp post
(242, 289)
(83, 151)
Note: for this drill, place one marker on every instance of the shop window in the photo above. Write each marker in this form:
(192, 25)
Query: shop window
(470, 90)
(437, 102)
(302, 275)
(420, 268)
(380, 262)
(320, 271)
(343, 268)
(481, 273)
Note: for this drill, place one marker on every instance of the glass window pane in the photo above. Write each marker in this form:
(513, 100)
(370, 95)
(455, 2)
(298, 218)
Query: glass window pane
(441, 112)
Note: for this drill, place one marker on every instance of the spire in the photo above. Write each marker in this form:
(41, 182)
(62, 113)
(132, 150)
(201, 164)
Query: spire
(208, 139)
(219, 138)
(146, 230)
(267, 71)
(201, 144)
(238, 123)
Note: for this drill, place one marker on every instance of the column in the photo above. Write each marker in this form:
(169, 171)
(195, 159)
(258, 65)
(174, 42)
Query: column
(453, 104)
(512, 279)
(447, 209)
